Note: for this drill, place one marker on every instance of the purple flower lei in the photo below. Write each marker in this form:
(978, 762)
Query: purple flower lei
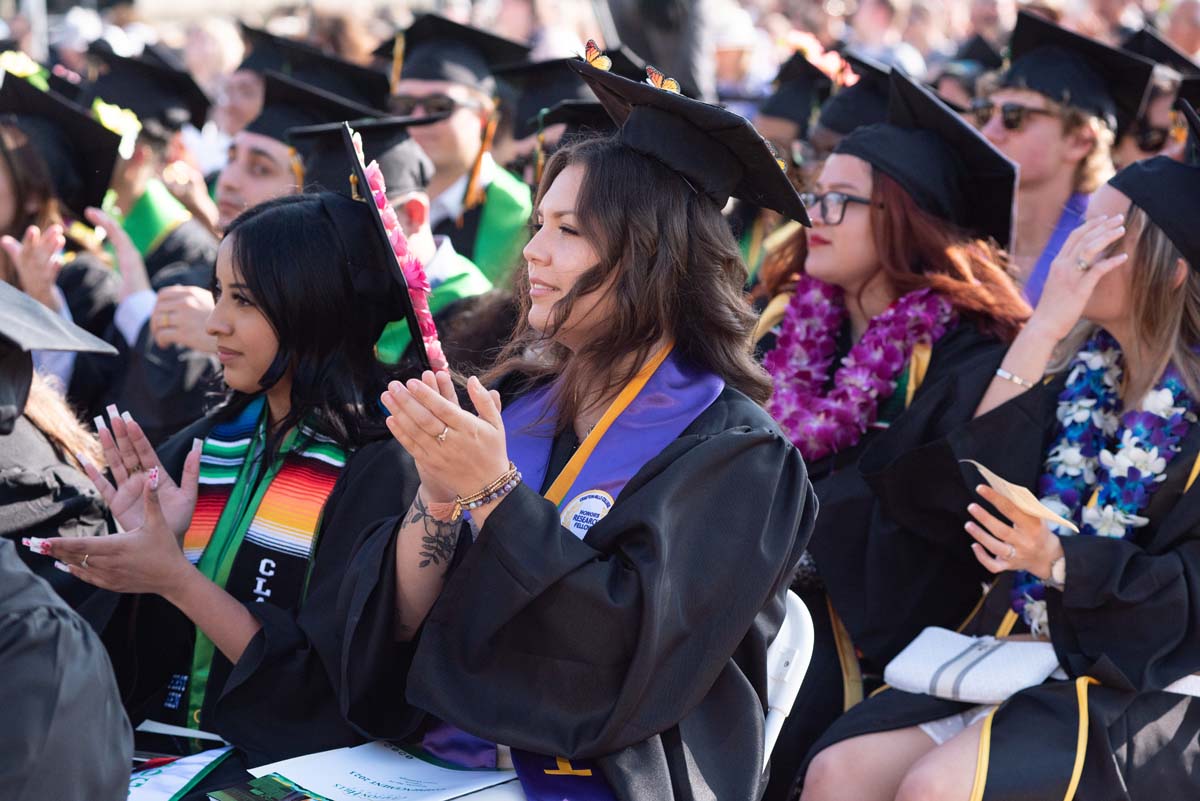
(1119, 456)
(822, 422)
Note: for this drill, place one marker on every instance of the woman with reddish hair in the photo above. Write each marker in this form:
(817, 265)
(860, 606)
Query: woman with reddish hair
(898, 317)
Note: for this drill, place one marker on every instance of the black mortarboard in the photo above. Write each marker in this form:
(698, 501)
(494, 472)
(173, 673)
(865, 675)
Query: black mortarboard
(438, 49)
(307, 64)
(580, 117)
(161, 96)
(69, 89)
(1077, 71)
(404, 164)
(1169, 191)
(393, 287)
(717, 151)
(800, 87)
(982, 52)
(26, 325)
(1150, 44)
(864, 103)
(946, 166)
(539, 85)
(289, 103)
(79, 151)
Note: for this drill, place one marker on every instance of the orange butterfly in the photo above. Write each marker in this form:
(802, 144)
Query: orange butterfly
(660, 81)
(775, 154)
(596, 58)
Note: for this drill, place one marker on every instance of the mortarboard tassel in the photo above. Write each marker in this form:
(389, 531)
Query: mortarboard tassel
(397, 60)
(539, 150)
(474, 194)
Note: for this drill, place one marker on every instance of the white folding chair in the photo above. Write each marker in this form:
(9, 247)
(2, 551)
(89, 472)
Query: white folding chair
(787, 662)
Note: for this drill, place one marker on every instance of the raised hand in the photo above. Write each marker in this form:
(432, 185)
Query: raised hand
(130, 455)
(1074, 274)
(180, 317)
(37, 259)
(1025, 544)
(147, 559)
(134, 277)
(457, 453)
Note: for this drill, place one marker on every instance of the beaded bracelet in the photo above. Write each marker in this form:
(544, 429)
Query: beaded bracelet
(1014, 378)
(452, 511)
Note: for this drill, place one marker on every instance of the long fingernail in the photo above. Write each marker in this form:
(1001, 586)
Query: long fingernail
(197, 444)
(153, 479)
(62, 566)
(100, 424)
(83, 460)
(25, 541)
(38, 545)
(113, 411)
(127, 417)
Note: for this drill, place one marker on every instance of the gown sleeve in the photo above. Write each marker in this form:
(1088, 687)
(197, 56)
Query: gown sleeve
(615, 638)
(281, 698)
(1129, 615)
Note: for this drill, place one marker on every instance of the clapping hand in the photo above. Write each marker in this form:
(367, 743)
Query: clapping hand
(37, 259)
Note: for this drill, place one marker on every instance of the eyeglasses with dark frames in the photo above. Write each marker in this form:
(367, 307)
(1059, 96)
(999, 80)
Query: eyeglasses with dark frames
(406, 105)
(832, 205)
(1012, 115)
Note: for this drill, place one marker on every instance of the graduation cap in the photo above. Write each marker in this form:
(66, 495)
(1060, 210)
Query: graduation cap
(79, 151)
(800, 87)
(307, 64)
(1078, 71)
(26, 325)
(717, 152)
(161, 96)
(288, 103)
(580, 117)
(946, 166)
(1148, 43)
(437, 49)
(1169, 191)
(390, 292)
(404, 164)
(979, 50)
(864, 103)
(538, 85)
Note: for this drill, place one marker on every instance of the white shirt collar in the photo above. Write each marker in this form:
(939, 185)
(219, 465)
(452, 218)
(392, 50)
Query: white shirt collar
(449, 204)
(443, 266)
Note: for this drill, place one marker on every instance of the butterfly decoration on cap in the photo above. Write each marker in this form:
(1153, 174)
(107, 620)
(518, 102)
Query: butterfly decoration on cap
(660, 81)
(595, 56)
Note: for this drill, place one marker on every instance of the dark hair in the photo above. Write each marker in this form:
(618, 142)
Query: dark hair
(33, 188)
(678, 274)
(288, 251)
(917, 249)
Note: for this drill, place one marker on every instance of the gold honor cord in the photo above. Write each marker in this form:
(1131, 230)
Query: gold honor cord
(566, 478)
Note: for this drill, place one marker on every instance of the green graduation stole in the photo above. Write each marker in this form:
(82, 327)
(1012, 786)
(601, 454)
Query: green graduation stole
(254, 528)
(503, 225)
(152, 217)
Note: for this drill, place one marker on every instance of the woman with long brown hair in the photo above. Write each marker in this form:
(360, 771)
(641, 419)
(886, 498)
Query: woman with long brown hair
(900, 313)
(1094, 411)
(636, 514)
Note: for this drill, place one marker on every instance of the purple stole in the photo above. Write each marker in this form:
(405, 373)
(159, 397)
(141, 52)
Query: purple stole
(1068, 221)
(649, 414)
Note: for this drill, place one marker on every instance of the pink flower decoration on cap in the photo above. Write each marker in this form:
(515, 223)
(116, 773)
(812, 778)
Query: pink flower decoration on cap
(410, 266)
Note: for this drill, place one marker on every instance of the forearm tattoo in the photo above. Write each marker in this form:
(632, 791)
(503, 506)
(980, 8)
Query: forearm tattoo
(439, 539)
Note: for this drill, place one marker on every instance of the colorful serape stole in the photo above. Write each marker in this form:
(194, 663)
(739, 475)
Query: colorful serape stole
(255, 527)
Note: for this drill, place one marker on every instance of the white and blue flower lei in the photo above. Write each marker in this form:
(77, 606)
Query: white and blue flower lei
(1122, 458)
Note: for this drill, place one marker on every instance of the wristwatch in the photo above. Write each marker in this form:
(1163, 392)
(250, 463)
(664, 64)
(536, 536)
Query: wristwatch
(1058, 573)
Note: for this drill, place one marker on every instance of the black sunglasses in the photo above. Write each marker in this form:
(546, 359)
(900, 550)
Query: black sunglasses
(1152, 139)
(1012, 115)
(406, 105)
(832, 204)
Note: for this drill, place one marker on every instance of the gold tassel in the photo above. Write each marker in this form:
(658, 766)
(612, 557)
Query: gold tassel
(397, 60)
(475, 194)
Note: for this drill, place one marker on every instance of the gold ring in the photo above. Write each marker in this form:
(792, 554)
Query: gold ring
(442, 436)
(83, 564)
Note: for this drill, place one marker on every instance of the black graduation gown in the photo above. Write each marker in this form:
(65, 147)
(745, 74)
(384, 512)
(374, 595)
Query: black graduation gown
(281, 699)
(43, 496)
(879, 583)
(92, 291)
(168, 388)
(190, 244)
(642, 646)
(65, 735)
(1129, 617)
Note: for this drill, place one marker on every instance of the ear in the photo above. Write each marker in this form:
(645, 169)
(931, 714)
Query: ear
(1079, 143)
(1181, 274)
(414, 210)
